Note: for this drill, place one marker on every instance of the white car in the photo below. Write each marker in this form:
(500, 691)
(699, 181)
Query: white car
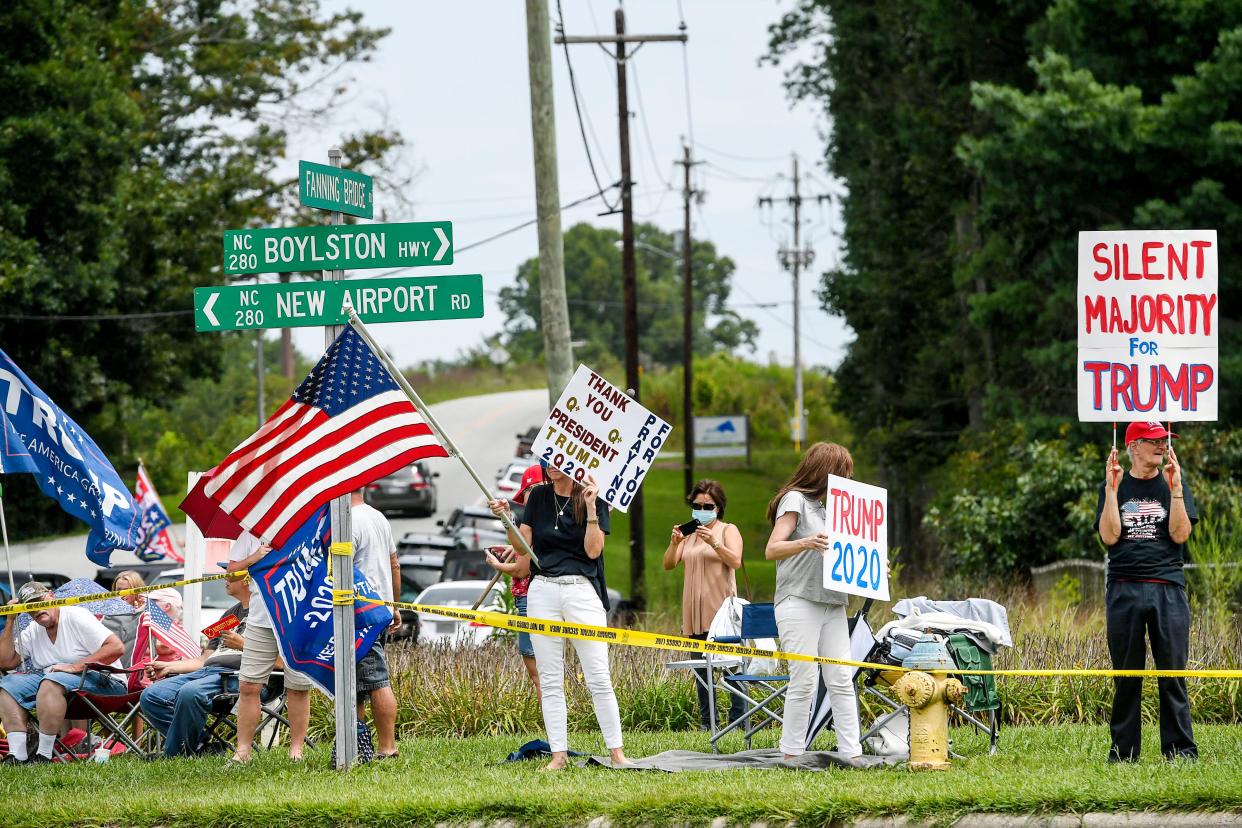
(437, 628)
(510, 478)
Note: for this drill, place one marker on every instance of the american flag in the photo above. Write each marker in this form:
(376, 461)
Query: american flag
(1143, 508)
(155, 542)
(155, 622)
(346, 425)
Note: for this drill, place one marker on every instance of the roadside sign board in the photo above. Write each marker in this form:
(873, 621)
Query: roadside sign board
(1148, 325)
(721, 436)
(595, 428)
(856, 560)
(306, 304)
(338, 247)
(331, 188)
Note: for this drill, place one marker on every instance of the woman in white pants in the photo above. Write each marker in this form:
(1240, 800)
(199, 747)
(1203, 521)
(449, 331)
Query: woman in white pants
(565, 524)
(810, 618)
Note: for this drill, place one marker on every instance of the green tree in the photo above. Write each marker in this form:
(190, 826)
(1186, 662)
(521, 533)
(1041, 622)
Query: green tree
(593, 286)
(132, 133)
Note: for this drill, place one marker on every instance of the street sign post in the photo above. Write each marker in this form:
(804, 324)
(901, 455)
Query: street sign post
(338, 247)
(329, 188)
(305, 304)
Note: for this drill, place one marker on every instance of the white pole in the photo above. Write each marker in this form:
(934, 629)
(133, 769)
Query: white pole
(8, 558)
(431, 421)
(346, 690)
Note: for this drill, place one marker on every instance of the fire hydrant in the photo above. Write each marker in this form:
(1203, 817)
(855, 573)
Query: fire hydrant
(928, 695)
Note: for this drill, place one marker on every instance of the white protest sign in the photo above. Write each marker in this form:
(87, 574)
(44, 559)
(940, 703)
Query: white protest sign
(1147, 325)
(856, 560)
(596, 429)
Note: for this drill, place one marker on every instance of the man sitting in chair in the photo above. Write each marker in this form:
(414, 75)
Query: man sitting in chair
(178, 703)
(59, 645)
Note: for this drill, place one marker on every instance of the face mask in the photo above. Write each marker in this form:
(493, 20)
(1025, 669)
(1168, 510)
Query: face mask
(703, 516)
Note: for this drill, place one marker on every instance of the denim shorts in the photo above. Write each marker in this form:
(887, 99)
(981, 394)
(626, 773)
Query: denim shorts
(24, 687)
(523, 638)
(371, 673)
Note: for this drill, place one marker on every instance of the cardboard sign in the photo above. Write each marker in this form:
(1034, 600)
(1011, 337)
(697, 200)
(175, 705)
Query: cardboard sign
(596, 429)
(226, 623)
(1148, 321)
(856, 561)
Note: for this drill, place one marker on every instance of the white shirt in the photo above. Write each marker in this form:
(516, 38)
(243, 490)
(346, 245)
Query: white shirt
(373, 547)
(245, 546)
(78, 634)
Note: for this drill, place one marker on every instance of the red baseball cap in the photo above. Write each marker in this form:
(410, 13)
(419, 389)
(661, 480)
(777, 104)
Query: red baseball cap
(530, 477)
(1146, 431)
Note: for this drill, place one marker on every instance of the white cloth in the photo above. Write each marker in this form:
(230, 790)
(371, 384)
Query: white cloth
(812, 628)
(78, 634)
(803, 574)
(988, 636)
(373, 547)
(977, 609)
(576, 603)
(245, 546)
(728, 622)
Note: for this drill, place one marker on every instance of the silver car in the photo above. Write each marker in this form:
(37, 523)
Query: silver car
(463, 594)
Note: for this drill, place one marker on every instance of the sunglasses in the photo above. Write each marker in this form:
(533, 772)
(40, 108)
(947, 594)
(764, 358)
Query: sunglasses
(1153, 443)
(704, 506)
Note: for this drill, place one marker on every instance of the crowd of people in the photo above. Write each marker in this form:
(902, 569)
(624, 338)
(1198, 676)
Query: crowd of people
(1144, 518)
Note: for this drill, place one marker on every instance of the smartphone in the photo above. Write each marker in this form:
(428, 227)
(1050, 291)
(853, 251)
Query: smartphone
(499, 552)
(687, 528)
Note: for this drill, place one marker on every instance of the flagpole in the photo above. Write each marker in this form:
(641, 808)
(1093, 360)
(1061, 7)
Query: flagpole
(4, 529)
(435, 426)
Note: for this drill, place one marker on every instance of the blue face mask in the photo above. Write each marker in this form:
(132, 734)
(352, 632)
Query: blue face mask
(703, 516)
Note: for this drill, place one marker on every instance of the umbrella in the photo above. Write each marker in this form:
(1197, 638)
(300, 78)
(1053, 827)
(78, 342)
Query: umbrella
(77, 588)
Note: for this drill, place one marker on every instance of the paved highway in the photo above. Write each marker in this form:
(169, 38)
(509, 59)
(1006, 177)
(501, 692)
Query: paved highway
(483, 427)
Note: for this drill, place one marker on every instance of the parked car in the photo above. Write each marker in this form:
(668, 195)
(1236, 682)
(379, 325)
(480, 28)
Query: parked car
(475, 527)
(421, 557)
(411, 490)
(526, 440)
(150, 572)
(510, 478)
(216, 598)
(437, 628)
(52, 579)
(465, 565)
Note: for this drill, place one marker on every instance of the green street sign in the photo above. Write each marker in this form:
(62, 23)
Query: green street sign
(305, 304)
(331, 188)
(338, 247)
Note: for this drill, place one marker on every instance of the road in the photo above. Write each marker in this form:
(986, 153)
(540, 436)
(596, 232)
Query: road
(483, 427)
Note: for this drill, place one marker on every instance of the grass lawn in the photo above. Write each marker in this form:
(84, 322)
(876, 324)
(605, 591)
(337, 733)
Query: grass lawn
(1038, 770)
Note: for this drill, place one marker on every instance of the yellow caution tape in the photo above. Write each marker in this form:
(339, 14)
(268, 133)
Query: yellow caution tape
(343, 597)
(35, 606)
(639, 638)
(343, 548)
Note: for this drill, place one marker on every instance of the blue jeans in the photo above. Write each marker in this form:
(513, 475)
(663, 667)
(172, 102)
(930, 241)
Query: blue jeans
(178, 706)
(24, 687)
(525, 648)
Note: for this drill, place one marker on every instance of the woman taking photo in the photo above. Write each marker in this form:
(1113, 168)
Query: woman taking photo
(811, 619)
(710, 555)
(565, 523)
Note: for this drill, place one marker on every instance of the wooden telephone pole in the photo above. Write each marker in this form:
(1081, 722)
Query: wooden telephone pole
(687, 332)
(638, 587)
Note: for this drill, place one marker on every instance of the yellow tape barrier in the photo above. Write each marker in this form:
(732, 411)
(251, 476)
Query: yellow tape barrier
(633, 638)
(639, 638)
(35, 606)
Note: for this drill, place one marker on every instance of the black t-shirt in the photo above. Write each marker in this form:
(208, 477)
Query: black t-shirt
(1144, 549)
(557, 538)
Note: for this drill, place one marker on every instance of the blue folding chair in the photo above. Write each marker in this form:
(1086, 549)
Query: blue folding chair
(758, 621)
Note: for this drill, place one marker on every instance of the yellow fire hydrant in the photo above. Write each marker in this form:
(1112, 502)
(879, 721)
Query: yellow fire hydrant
(928, 695)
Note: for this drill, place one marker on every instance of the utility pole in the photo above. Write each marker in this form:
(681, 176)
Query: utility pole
(687, 333)
(260, 374)
(554, 309)
(794, 259)
(638, 562)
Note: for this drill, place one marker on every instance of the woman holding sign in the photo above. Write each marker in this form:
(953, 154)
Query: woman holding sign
(810, 618)
(565, 524)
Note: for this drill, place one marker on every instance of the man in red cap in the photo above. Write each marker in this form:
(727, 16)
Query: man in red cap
(1144, 518)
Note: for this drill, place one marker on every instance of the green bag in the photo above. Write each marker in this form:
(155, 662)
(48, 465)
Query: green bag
(980, 690)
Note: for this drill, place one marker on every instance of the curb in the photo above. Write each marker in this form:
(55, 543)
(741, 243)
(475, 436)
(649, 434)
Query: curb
(1125, 819)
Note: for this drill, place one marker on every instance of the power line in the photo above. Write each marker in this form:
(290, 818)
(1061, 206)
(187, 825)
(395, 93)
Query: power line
(642, 113)
(685, 73)
(573, 85)
(765, 159)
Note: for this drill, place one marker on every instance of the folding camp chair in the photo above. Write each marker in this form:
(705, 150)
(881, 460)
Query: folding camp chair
(758, 621)
(220, 730)
(113, 715)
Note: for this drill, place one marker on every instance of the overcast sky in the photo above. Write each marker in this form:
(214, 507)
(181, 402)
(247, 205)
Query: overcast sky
(452, 78)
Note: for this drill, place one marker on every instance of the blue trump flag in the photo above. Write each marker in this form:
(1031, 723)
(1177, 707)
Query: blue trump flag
(293, 582)
(40, 439)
